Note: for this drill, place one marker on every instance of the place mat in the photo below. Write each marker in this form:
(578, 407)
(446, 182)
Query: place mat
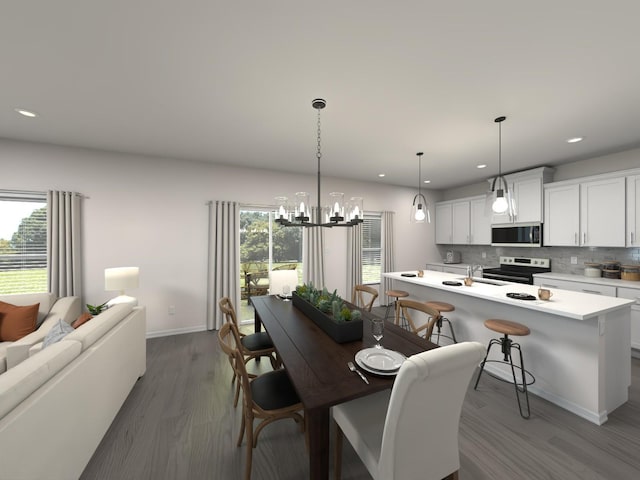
(521, 296)
(452, 283)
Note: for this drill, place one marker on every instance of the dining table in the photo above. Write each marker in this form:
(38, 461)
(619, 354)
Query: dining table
(317, 366)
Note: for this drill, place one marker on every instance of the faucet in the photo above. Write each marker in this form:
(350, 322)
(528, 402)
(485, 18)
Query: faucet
(475, 268)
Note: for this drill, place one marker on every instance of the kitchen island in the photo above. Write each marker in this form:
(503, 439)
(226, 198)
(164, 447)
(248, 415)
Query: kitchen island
(578, 349)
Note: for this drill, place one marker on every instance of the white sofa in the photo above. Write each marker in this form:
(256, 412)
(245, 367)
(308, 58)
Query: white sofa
(56, 405)
(51, 309)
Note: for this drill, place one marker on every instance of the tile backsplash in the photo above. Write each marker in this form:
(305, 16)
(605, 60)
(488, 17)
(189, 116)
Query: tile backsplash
(560, 256)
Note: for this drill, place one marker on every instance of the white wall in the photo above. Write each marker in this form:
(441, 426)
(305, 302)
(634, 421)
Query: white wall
(151, 213)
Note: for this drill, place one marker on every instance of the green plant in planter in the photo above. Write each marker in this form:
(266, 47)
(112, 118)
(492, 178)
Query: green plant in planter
(329, 303)
(96, 309)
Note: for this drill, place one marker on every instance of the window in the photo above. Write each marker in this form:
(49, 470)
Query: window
(23, 242)
(264, 246)
(371, 248)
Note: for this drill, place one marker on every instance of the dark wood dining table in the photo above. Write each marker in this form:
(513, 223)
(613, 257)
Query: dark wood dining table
(317, 366)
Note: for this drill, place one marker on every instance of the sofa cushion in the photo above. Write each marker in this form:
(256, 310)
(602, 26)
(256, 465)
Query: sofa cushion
(17, 383)
(83, 318)
(59, 330)
(91, 331)
(3, 355)
(17, 321)
(46, 301)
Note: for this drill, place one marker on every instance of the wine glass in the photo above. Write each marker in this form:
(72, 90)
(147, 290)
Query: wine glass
(286, 291)
(377, 329)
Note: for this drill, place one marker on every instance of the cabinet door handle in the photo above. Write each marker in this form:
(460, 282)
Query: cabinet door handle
(575, 238)
(631, 238)
(548, 285)
(591, 291)
(584, 238)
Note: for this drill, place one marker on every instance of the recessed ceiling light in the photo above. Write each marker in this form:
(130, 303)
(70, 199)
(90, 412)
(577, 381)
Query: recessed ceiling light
(575, 139)
(381, 175)
(26, 113)
(427, 181)
(482, 165)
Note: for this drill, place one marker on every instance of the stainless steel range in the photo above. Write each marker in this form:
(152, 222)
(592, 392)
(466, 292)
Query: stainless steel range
(518, 269)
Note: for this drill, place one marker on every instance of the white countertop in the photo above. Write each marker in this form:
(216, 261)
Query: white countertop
(565, 303)
(612, 282)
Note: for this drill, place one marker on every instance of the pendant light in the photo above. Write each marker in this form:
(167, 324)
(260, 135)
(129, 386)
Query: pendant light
(502, 198)
(336, 214)
(420, 208)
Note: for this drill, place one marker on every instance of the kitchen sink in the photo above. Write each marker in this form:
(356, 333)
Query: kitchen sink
(485, 281)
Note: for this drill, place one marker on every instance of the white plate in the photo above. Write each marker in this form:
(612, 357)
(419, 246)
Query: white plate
(376, 372)
(380, 360)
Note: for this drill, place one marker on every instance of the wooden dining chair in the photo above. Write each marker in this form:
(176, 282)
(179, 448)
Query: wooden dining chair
(226, 339)
(360, 292)
(268, 397)
(392, 432)
(407, 309)
(251, 345)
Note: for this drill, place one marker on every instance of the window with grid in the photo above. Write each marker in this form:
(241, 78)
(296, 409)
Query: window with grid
(23, 242)
(371, 248)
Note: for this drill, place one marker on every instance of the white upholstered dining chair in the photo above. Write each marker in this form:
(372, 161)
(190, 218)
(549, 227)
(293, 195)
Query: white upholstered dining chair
(411, 432)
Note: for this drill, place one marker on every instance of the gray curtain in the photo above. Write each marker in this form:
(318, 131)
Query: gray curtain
(354, 258)
(313, 254)
(223, 263)
(388, 256)
(64, 253)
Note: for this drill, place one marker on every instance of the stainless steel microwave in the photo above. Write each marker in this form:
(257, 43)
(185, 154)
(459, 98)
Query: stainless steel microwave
(517, 235)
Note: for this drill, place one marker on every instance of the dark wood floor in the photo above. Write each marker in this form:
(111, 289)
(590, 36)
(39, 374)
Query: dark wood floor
(179, 423)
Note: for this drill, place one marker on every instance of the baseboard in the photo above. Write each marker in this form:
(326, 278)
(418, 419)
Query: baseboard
(176, 331)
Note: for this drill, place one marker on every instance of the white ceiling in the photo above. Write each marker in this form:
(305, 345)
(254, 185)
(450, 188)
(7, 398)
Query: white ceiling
(231, 82)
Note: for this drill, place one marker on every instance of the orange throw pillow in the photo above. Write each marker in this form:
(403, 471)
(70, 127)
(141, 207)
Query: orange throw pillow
(83, 318)
(16, 321)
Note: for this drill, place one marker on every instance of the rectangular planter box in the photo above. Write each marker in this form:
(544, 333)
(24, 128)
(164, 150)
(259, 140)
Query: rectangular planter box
(340, 332)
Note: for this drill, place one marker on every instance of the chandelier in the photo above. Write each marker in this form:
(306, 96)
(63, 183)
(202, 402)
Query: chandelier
(335, 214)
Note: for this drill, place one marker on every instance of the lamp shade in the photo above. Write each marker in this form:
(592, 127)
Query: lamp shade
(121, 278)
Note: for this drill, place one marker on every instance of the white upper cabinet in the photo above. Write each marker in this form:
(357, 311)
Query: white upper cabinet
(527, 191)
(444, 225)
(633, 211)
(602, 213)
(586, 214)
(561, 215)
(463, 222)
(479, 221)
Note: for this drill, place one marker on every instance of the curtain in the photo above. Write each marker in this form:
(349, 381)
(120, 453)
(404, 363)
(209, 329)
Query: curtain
(313, 254)
(388, 257)
(354, 258)
(64, 254)
(223, 259)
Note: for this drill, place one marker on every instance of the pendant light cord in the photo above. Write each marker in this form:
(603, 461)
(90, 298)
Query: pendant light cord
(319, 156)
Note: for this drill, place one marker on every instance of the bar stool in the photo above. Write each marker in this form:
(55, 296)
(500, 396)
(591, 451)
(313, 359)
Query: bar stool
(443, 307)
(397, 294)
(506, 328)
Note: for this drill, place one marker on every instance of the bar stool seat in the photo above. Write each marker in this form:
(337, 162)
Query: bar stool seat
(443, 307)
(397, 294)
(506, 328)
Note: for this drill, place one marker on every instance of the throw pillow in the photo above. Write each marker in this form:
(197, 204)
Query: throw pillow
(83, 318)
(59, 330)
(17, 321)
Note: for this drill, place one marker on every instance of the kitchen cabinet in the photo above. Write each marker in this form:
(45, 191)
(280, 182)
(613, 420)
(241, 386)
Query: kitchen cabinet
(633, 211)
(633, 294)
(584, 287)
(463, 222)
(527, 191)
(586, 214)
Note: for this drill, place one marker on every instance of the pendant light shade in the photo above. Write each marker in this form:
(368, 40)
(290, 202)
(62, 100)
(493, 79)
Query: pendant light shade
(420, 208)
(502, 198)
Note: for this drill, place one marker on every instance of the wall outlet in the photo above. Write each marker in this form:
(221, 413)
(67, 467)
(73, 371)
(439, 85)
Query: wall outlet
(172, 309)
(574, 260)
(484, 254)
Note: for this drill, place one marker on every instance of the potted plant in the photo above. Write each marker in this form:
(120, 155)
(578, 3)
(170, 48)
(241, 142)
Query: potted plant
(96, 309)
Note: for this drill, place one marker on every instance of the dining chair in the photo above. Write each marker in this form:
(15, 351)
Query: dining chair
(408, 309)
(411, 432)
(360, 292)
(251, 345)
(228, 345)
(268, 397)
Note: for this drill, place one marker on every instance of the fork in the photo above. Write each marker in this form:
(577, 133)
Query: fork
(353, 368)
